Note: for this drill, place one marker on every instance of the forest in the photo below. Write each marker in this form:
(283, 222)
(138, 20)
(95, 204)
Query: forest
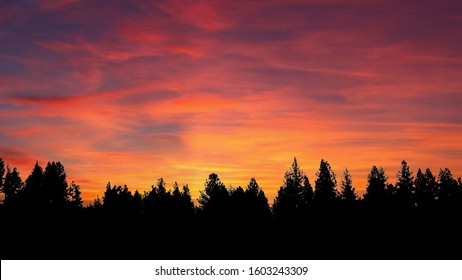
(417, 217)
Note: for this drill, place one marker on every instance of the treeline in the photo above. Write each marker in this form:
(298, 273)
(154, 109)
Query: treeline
(418, 217)
(43, 189)
(48, 189)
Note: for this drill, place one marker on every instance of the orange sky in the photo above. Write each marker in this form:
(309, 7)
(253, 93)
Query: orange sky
(130, 92)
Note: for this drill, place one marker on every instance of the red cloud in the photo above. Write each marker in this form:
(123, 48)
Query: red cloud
(136, 90)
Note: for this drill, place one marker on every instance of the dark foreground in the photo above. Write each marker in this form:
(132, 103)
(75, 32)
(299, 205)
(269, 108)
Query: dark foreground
(330, 236)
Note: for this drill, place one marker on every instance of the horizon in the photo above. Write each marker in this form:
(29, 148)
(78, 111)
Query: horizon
(129, 92)
(271, 196)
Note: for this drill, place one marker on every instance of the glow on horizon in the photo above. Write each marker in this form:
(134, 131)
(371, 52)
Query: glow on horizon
(182, 89)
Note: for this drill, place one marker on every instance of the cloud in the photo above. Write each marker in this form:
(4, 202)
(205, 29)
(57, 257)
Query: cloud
(131, 91)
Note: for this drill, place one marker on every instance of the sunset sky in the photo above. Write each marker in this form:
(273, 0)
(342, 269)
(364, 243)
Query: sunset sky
(130, 91)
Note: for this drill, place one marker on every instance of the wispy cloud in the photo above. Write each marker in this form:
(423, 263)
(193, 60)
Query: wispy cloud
(132, 91)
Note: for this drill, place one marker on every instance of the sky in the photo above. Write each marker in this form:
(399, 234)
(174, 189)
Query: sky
(131, 91)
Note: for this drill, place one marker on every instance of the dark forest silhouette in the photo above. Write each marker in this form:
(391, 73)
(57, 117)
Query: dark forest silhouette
(418, 217)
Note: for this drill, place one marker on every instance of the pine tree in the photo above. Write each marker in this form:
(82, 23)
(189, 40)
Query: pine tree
(252, 189)
(176, 194)
(306, 198)
(118, 200)
(157, 202)
(55, 185)
(34, 196)
(160, 187)
(390, 195)
(237, 200)
(2, 173)
(325, 185)
(74, 201)
(255, 201)
(182, 206)
(290, 200)
(404, 186)
(348, 194)
(459, 194)
(376, 190)
(425, 189)
(12, 188)
(214, 199)
(97, 203)
(137, 202)
(187, 205)
(447, 188)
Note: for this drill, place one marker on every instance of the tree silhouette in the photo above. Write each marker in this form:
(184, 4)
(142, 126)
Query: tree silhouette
(376, 190)
(404, 186)
(307, 196)
(157, 202)
(55, 185)
(164, 205)
(425, 189)
(119, 200)
(183, 207)
(255, 202)
(12, 188)
(214, 200)
(459, 193)
(186, 201)
(390, 195)
(33, 196)
(237, 201)
(2, 173)
(96, 204)
(73, 199)
(290, 200)
(137, 202)
(448, 188)
(325, 185)
(347, 194)
(319, 216)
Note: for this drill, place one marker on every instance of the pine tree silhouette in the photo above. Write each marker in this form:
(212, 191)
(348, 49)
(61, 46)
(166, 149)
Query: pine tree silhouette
(237, 204)
(306, 196)
(74, 201)
(376, 190)
(425, 189)
(348, 194)
(388, 214)
(2, 173)
(447, 191)
(137, 202)
(96, 204)
(255, 202)
(34, 196)
(290, 200)
(183, 207)
(325, 192)
(118, 200)
(214, 200)
(12, 188)
(55, 185)
(404, 187)
(157, 202)
(187, 204)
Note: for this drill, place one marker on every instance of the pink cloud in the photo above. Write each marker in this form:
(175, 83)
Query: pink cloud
(137, 91)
